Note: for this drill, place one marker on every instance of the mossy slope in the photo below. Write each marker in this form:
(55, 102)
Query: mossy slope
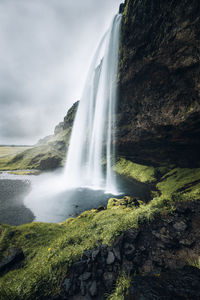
(51, 248)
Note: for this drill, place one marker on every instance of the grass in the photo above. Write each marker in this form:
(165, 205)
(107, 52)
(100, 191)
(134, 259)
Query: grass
(50, 249)
(122, 286)
(181, 183)
(29, 159)
(25, 172)
(194, 262)
(6, 151)
(135, 171)
(32, 158)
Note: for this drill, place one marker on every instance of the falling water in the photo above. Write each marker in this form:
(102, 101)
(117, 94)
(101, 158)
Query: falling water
(93, 134)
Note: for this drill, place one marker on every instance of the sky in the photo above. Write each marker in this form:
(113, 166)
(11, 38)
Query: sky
(46, 47)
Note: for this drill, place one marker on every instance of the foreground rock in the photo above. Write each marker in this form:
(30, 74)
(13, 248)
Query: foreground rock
(12, 260)
(174, 284)
(160, 252)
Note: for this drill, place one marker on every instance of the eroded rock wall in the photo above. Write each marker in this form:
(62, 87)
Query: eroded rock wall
(159, 95)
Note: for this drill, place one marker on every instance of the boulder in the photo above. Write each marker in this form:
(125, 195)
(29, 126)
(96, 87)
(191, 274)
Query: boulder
(11, 261)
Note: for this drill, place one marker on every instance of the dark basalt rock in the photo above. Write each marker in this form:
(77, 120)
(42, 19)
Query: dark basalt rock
(157, 252)
(12, 261)
(159, 95)
(49, 163)
(69, 118)
(176, 284)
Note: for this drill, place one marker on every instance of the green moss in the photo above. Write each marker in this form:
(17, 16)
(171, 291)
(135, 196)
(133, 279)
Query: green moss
(195, 262)
(6, 151)
(124, 202)
(126, 12)
(122, 287)
(50, 249)
(135, 171)
(26, 172)
(181, 183)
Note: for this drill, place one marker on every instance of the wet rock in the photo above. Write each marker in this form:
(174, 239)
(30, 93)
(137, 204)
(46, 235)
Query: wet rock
(117, 253)
(180, 226)
(164, 236)
(83, 289)
(95, 254)
(109, 280)
(111, 258)
(129, 250)
(187, 242)
(130, 236)
(121, 8)
(85, 276)
(67, 284)
(100, 208)
(93, 289)
(176, 284)
(127, 266)
(79, 267)
(49, 163)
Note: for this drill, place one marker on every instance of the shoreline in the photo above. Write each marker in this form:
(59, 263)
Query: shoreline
(12, 194)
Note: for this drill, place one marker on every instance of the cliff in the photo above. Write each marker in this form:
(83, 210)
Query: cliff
(159, 101)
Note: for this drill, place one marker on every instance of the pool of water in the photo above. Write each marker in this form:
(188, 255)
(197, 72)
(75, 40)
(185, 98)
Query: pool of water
(44, 197)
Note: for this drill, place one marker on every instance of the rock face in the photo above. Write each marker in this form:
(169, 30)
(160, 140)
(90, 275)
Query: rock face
(159, 101)
(69, 119)
(161, 251)
(12, 260)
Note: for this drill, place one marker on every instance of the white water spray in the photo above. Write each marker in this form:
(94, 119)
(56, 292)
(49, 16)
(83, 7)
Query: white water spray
(93, 133)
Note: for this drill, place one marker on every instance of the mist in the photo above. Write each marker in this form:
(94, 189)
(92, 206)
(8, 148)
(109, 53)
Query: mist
(46, 47)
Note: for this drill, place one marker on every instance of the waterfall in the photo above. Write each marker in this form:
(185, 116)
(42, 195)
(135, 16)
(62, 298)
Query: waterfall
(91, 150)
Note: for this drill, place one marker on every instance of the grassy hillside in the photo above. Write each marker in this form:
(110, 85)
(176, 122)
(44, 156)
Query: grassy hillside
(50, 249)
(49, 153)
(6, 151)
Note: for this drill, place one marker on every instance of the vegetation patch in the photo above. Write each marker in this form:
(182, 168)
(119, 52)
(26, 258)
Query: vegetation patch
(122, 287)
(48, 155)
(135, 171)
(25, 172)
(50, 249)
(181, 183)
(6, 151)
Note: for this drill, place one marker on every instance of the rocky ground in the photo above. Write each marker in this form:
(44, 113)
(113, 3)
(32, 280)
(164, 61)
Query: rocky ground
(158, 253)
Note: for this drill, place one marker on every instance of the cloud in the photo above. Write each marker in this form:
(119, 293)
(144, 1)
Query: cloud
(45, 50)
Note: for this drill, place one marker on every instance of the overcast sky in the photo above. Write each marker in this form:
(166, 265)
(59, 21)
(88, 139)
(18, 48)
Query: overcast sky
(45, 50)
